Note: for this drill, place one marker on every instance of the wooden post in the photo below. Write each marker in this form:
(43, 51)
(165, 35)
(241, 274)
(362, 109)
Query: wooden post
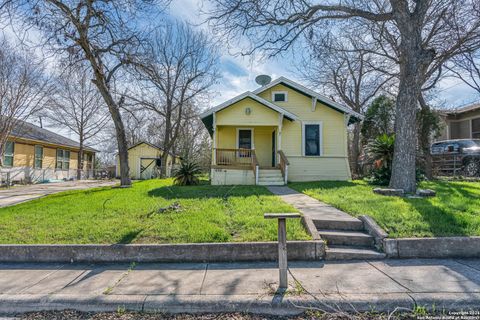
(282, 252)
(282, 244)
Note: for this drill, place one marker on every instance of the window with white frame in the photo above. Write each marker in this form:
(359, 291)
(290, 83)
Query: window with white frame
(8, 154)
(312, 139)
(279, 96)
(63, 159)
(38, 157)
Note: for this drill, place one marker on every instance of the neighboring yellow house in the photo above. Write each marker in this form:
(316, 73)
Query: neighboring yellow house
(281, 132)
(34, 154)
(145, 161)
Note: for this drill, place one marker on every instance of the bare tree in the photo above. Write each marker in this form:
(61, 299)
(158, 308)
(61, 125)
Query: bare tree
(78, 106)
(419, 36)
(178, 71)
(24, 89)
(466, 67)
(347, 74)
(103, 33)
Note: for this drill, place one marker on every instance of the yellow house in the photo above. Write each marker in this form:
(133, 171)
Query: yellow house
(34, 154)
(280, 132)
(145, 161)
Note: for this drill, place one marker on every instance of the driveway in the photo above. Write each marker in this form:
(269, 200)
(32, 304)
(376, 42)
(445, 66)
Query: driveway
(19, 194)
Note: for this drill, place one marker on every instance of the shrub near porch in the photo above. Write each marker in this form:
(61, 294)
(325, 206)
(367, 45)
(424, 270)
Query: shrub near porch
(113, 215)
(455, 211)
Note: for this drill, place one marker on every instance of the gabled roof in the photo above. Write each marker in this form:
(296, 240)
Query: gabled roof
(253, 96)
(153, 146)
(471, 107)
(302, 89)
(26, 130)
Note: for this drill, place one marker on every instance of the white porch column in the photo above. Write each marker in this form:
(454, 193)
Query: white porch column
(279, 136)
(214, 136)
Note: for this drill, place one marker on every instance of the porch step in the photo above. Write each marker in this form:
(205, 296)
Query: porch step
(338, 224)
(266, 183)
(344, 237)
(352, 253)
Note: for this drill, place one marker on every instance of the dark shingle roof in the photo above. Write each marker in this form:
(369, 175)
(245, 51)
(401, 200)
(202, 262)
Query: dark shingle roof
(30, 131)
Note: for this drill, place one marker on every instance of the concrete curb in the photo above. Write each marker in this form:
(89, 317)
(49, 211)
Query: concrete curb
(374, 230)
(195, 252)
(446, 247)
(308, 224)
(273, 305)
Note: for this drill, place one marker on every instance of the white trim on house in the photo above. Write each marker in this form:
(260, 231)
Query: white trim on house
(253, 96)
(280, 92)
(311, 93)
(252, 132)
(320, 138)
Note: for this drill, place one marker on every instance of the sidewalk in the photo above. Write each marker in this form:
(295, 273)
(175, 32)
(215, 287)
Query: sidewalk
(249, 287)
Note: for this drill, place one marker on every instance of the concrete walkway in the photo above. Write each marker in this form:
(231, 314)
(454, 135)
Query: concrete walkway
(19, 194)
(248, 287)
(309, 206)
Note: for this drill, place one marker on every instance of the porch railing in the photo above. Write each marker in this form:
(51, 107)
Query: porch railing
(283, 165)
(234, 157)
(244, 158)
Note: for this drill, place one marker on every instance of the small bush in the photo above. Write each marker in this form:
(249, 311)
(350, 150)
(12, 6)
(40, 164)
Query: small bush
(187, 174)
(380, 152)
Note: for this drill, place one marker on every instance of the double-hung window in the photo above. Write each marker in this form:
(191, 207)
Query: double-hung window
(312, 139)
(8, 154)
(38, 157)
(63, 159)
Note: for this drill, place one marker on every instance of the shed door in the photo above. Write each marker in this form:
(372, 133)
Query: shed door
(147, 168)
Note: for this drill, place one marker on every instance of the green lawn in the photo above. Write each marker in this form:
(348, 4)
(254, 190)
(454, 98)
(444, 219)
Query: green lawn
(455, 211)
(114, 215)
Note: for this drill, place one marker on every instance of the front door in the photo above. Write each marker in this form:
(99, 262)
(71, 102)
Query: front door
(244, 138)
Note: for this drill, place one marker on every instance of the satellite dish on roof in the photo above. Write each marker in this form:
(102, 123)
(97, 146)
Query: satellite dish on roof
(263, 79)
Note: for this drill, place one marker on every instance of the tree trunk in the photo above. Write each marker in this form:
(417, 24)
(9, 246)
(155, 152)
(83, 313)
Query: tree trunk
(403, 170)
(80, 160)
(164, 164)
(114, 110)
(355, 150)
(122, 147)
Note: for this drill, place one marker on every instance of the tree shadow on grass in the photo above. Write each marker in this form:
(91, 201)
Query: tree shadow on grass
(129, 236)
(303, 186)
(207, 191)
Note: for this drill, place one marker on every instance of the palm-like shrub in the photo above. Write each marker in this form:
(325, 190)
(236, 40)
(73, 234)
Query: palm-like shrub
(380, 151)
(187, 174)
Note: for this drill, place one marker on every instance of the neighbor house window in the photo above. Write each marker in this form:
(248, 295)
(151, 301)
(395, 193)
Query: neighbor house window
(279, 96)
(8, 154)
(312, 139)
(63, 159)
(38, 157)
(476, 128)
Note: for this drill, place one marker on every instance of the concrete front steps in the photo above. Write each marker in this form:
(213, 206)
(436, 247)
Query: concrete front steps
(270, 177)
(346, 239)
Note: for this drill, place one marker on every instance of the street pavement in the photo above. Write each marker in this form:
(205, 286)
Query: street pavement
(386, 285)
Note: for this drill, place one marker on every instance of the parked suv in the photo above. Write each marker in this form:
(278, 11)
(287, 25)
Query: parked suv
(454, 156)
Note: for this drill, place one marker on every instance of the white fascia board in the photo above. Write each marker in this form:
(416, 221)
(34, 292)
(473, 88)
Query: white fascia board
(309, 92)
(253, 96)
